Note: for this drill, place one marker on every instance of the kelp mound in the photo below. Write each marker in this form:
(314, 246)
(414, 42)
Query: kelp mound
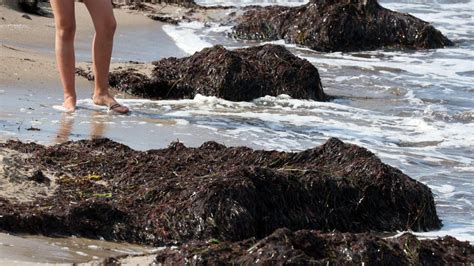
(339, 25)
(145, 7)
(27, 6)
(105, 189)
(305, 247)
(235, 75)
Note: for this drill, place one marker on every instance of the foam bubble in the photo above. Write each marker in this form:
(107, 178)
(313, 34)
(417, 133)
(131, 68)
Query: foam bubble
(185, 36)
(445, 189)
(61, 108)
(462, 233)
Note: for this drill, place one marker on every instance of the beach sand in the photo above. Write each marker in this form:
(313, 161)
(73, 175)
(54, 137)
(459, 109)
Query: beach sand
(39, 250)
(27, 45)
(30, 87)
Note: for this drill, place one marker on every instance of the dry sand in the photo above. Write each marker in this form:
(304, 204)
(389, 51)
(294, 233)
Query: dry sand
(27, 41)
(27, 45)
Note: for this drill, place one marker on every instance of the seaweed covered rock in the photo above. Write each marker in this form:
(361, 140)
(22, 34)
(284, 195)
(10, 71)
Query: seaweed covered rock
(339, 25)
(139, 5)
(185, 3)
(305, 247)
(104, 189)
(28, 6)
(236, 75)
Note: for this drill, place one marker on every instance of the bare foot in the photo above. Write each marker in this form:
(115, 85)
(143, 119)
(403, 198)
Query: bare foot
(110, 102)
(70, 103)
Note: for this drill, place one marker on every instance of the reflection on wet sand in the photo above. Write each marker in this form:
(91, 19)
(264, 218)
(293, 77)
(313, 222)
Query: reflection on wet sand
(65, 128)
(97, 122)
(40, 250)
(98, 126)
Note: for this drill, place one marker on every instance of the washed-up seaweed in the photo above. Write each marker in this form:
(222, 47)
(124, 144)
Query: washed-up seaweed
(305, 247)
(339, 25)
(174, 195)
(236, 75)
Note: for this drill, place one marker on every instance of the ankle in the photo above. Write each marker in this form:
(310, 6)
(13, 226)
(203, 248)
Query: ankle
(100, 91)
(69, 96)
(101, 94)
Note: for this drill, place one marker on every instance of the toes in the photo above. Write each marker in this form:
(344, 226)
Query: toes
(122, 110)
(110, 101)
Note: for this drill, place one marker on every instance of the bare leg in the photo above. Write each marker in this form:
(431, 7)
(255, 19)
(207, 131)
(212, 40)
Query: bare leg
(104, 22)
(65, 21)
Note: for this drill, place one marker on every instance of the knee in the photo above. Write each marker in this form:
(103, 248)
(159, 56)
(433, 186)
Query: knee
(66, 31)
(107, 28)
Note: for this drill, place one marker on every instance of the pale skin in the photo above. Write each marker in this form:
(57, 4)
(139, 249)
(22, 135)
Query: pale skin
(104, 23)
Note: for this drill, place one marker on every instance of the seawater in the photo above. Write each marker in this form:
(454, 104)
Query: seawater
(414, 109)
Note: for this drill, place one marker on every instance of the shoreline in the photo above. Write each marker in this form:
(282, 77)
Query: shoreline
(18, 249)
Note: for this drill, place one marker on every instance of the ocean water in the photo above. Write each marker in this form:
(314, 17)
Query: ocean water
(413, 109)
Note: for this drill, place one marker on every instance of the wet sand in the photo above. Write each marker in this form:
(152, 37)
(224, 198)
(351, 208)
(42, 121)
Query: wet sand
(30, 87)
(38, 250)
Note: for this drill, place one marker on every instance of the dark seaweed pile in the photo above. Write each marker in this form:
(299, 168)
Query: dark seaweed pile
(237, 75)
(317, 248)
(179, 194)
(29, 6)
(339, 25)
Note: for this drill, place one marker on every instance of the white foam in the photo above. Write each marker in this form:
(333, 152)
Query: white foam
(61, 108)
(332, 117)
(453, 19)
(445, 189)
(462, 232)
(185, 36)
(465, 168)
(218, 28)
(81, 253)
(438, 68)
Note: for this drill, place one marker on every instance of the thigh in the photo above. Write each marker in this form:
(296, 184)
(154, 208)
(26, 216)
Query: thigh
(101, 12)
(64, 15)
